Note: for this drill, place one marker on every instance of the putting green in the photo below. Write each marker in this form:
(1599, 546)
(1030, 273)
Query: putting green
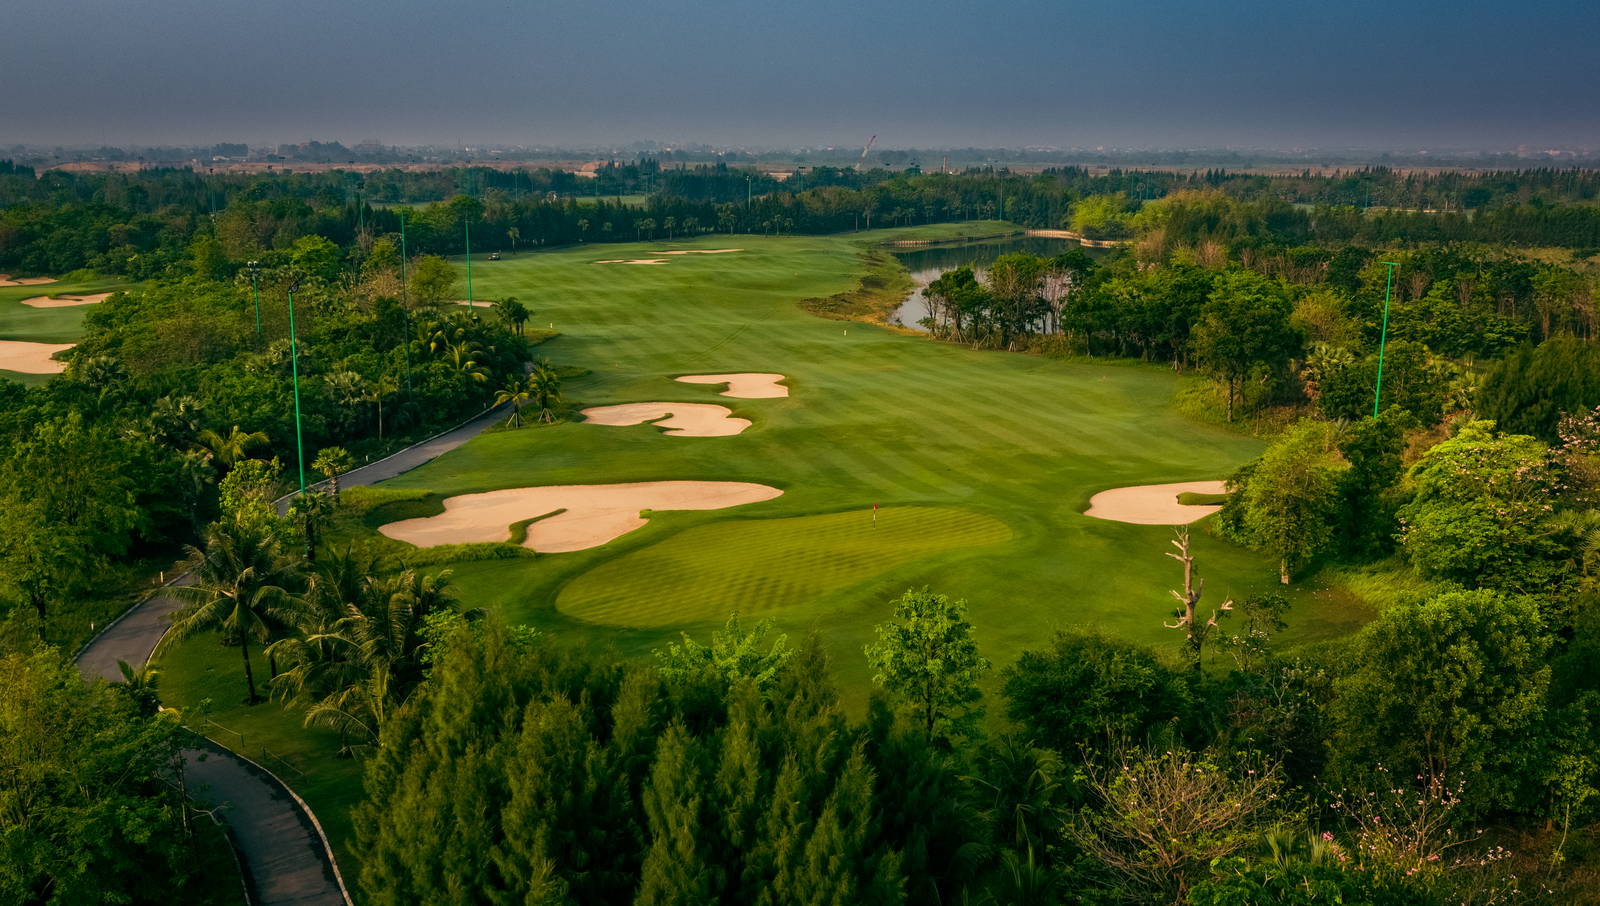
(675, 582)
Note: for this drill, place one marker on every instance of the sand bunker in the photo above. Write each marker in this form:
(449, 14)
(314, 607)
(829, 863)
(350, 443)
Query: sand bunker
(594, 514)
(65, 301)
(633, 261)
(745, 385)
(687, 419)
(1153, 504)
(698, 252)
(32, 358)
(6, 280)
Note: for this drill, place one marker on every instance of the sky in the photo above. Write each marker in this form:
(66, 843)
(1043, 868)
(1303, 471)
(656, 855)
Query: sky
(1381, 74)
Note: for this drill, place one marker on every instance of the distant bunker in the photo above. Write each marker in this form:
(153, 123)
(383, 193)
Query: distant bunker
(677, 419)
(745, 385)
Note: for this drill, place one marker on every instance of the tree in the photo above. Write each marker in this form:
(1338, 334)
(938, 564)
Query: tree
(380, 389)
(1187, 615)
(1290, 504)
(228, 450)
(1448, 689)
(1085, 691)
(517, 392)
(317, 257)
(513, 313)
(432, 279)
(926, 658)
(1244, 325)
(544, 388)
(235, 591)
(333, 462)
(735, 655)
(90, 810)
(1530, 390)
(1481, 511)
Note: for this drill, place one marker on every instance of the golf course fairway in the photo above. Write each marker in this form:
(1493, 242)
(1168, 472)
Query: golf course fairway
(981, 462)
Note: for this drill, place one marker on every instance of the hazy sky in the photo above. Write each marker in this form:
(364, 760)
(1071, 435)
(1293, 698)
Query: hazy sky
(1280, 73)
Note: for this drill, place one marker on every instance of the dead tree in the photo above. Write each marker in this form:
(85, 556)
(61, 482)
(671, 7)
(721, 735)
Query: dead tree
(1187, 613)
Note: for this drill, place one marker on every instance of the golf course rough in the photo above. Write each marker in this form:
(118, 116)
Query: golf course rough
(765, 565)
(590, 515)
(676, 419)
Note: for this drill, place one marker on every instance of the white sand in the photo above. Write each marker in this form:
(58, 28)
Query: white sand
(5, 280)
(595, 514)
(687, 419)
(65, 301)
(698, 252)
(1153, 504)
(633, 261)
(32, 358)
(745, 385)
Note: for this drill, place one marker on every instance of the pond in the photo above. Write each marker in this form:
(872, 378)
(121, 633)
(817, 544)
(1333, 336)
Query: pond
(926, 263)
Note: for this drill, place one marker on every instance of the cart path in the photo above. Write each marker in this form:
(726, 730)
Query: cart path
(285, 856)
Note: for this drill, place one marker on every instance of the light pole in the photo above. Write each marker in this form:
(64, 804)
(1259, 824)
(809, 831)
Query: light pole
(1383, 338)
(466, 230)
(405, 303)
(255, 291)
(294, 359)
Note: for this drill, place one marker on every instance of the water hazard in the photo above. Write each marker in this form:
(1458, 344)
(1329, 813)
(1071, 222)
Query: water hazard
(926, 263)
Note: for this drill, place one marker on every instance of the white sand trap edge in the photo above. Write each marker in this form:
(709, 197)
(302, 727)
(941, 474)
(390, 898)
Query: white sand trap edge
(65, 301)
(1154, 504)
(595, 514)
(698, 252)
(32, 358)
(745, 385)
(5, 280)
(633, 261)
(686, 419)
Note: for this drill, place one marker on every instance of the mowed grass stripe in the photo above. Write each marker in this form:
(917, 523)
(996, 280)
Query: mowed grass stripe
(760, 566)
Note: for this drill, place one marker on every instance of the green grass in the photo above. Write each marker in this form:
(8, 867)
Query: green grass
(205, 680)
(1192, 498)
(989, 456)
(674, 582)
(49, 325)
(632, 201)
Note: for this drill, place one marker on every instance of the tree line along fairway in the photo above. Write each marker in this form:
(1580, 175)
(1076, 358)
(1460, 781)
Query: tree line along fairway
(872, 417)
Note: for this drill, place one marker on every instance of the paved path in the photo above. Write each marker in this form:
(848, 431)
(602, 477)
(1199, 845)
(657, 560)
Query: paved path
(285, 857)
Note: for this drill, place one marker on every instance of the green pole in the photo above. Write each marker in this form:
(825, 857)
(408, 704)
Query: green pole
(255, 291)
(1383, 339)
(466, 228)
(294, 358)
(405, 303)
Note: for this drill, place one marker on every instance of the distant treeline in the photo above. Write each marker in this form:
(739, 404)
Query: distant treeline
(143, 224)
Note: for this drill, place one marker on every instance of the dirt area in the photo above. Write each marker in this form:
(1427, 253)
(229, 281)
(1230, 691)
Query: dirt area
(591, 515)
(745, 385)
(65, 301)
(1154, 504)
(682, 419)
(32, 358)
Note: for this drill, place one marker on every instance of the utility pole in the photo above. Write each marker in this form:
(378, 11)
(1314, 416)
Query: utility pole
(294, 359)
(405, 303)
(466, 227)
(1383, 339)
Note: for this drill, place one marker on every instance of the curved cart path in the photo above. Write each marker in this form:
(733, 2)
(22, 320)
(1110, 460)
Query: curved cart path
(285, 855)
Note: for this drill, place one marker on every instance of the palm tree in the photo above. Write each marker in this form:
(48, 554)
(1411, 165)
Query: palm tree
(583, 229)
(227, 450)
(669, 224)
(513, 234)
(140, 687)
(544, 387)
(332, 462)
(462, 357)
(385, 386)
(236, 590)
(514, 313)
(517, 392)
